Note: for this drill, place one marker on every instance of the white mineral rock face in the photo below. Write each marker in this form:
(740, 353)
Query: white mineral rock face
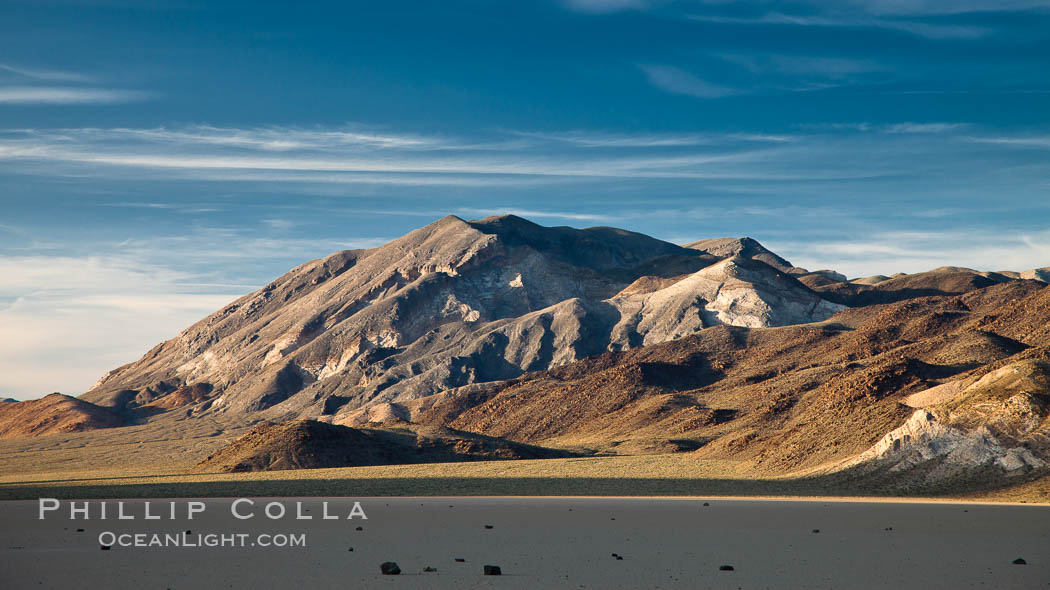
(925, 438)
(992, 422)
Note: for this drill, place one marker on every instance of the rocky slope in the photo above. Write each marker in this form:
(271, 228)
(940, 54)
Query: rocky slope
(452, 304)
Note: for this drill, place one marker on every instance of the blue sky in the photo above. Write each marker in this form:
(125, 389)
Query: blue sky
(158, 159)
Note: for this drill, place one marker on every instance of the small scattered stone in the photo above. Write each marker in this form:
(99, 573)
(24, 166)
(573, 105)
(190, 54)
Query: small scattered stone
(104, 547)
(360, 528)
(707, 503)
(889, 528)
(1020, 561)
(350, 549)
(488, 526)
(389, 568)
(816, 531)
(430, 569)
(493, 570)
(460, 559)
(725, 568)
(80, 530)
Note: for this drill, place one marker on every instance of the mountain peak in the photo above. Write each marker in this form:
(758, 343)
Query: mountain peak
(745, 247)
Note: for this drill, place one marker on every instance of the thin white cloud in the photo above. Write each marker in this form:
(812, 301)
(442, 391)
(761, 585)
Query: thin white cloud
(944, 7)
(678, 81)
(590, 139)
(923, 127)
(44, 74)
(1030, 141)
(275, 139)
(606, 6)
(795, 65)
(859, 21)
(67, 95)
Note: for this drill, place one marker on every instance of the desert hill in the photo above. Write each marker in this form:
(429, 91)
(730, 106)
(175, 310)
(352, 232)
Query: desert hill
(54, 413)
(305, 444)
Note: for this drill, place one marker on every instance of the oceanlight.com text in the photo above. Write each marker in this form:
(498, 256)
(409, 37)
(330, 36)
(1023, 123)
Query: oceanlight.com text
(205, 540)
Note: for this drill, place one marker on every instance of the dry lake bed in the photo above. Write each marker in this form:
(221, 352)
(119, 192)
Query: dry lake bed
(536, 542)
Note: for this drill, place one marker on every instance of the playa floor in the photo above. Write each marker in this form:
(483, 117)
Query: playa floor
(541, 543)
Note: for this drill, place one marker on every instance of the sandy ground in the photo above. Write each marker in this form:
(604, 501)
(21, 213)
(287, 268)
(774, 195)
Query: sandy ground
(548, 543)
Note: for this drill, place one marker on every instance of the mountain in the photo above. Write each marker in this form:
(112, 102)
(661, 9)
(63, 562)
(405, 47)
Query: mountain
(453, 304)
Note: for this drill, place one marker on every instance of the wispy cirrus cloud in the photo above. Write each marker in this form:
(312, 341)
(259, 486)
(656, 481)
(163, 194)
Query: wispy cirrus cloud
(851, 21)
(678, 81)
(606, 6)
(1021, 142)
(326, 156)
(939, 7)
(44, 74)
(921, 18)
(23, 85)
(590, 139)
(53, 95)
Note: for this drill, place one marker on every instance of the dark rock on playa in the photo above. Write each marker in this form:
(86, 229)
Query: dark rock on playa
(460, 560)
(725, 568)
(1020, 561)
(430, 569)
(350, 549)
(360, 528)
(488, 526)
(389, 568)
(80, 530)
(816, 531)
(707, 504)
(493, 570)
